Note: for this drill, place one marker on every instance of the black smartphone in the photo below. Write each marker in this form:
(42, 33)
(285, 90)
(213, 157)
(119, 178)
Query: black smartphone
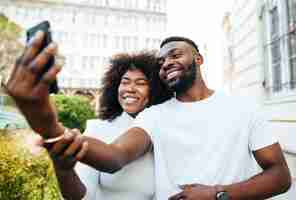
(45, 27)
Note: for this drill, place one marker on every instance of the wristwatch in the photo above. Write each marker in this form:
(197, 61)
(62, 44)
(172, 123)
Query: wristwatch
(222, 196)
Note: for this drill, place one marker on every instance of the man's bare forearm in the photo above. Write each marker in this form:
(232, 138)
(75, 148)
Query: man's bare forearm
(112, 157)
(70, 184)
(102, 156)
(270, 182)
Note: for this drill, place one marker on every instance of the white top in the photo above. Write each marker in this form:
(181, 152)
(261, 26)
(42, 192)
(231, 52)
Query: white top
(134, 182)
(207, 142)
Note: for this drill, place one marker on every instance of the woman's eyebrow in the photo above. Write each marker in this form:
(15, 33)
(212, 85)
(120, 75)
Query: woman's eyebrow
(125, 78)
(142, 79)
(137, 79)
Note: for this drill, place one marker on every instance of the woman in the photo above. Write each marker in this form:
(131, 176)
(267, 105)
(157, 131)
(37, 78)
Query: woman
(130, 84)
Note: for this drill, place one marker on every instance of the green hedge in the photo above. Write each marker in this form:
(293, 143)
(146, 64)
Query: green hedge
(73, 111)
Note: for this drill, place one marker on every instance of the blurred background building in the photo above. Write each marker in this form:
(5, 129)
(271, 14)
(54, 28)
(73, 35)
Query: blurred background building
(89, 32)
(260, 61)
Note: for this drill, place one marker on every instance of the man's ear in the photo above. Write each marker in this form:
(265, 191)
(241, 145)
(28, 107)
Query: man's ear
(199, 59)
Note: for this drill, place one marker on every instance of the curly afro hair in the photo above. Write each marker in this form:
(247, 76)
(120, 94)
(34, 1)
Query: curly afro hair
(146, 62)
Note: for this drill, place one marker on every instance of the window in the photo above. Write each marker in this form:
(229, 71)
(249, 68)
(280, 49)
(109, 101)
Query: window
(292, 41)
(279, 19)
(275, 51)
(84, 62)
(91, 63)
(274, 41)
(98, 40)
(136, 4)
(116, 46)
(147, 43)
(105, 42)
(93, 40)
(106, 20)
(136, 43)
(86, 40)
(148, 5)
(124, 43)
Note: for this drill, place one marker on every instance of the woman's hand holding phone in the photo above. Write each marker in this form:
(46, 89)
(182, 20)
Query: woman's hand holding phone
(29, 86)
(47, 39)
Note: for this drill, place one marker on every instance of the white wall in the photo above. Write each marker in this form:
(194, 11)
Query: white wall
(248, 78)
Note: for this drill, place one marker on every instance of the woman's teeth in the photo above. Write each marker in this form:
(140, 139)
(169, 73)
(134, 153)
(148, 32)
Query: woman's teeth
(130, 99)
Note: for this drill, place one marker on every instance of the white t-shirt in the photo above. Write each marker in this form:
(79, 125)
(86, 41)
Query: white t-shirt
(134, 182)
(207, 142)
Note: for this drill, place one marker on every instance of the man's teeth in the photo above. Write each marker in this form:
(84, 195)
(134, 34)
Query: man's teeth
(172, 74)
(130, 99)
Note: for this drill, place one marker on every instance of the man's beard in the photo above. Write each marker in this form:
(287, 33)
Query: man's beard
(185, 81)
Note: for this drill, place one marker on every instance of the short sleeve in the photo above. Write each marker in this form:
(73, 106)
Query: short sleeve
(99, 129)
(146, 121)
(261, 134)
(92, 127)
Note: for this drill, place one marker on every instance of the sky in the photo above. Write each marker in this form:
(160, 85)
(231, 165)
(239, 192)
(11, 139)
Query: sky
(201, 21)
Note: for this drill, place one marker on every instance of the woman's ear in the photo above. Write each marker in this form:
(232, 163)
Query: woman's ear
(199, 59)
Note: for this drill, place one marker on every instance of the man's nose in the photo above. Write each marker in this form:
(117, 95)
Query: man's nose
(167, 63)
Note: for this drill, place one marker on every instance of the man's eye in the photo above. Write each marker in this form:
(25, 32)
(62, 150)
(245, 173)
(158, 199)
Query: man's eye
(176, 55)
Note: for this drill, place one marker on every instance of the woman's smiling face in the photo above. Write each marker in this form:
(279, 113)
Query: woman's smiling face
(133, 91)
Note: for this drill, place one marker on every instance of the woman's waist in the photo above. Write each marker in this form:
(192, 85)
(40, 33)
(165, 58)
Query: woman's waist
(123, 194)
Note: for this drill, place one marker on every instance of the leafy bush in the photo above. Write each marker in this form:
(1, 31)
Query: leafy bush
(26, 170)
(73, 111)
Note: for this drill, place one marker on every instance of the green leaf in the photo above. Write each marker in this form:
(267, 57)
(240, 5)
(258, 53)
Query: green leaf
(73, 111)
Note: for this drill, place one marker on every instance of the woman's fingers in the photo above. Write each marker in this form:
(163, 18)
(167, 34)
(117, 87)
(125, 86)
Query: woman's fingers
(75, 146)
(59, 147)
(27, 71)
(67, 151)
(48, 78)
(32, 49)
(37, 65)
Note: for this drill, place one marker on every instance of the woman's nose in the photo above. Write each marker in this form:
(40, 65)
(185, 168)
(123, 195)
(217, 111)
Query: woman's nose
(131, 87)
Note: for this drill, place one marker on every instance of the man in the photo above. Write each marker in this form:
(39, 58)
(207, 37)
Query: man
(204, 141)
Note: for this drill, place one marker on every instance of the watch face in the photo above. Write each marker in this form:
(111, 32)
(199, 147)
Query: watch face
(223, 196)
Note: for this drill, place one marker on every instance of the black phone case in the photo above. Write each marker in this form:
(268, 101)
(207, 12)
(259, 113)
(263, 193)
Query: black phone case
(45, 27)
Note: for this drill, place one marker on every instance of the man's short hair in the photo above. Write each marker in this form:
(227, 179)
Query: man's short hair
(178, 39)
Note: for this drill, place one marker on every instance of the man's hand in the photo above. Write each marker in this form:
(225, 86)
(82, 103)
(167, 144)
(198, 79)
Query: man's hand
(29, 88)
(67, 151)
(196, 192)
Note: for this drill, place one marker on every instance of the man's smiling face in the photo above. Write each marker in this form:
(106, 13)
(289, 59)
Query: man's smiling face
(178, 66)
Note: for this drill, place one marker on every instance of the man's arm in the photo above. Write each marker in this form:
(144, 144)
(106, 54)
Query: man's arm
(106, 157)
(93, 152)
(273, 180)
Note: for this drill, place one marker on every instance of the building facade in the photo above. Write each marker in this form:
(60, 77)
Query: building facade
(260, 60)
(89, 32)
